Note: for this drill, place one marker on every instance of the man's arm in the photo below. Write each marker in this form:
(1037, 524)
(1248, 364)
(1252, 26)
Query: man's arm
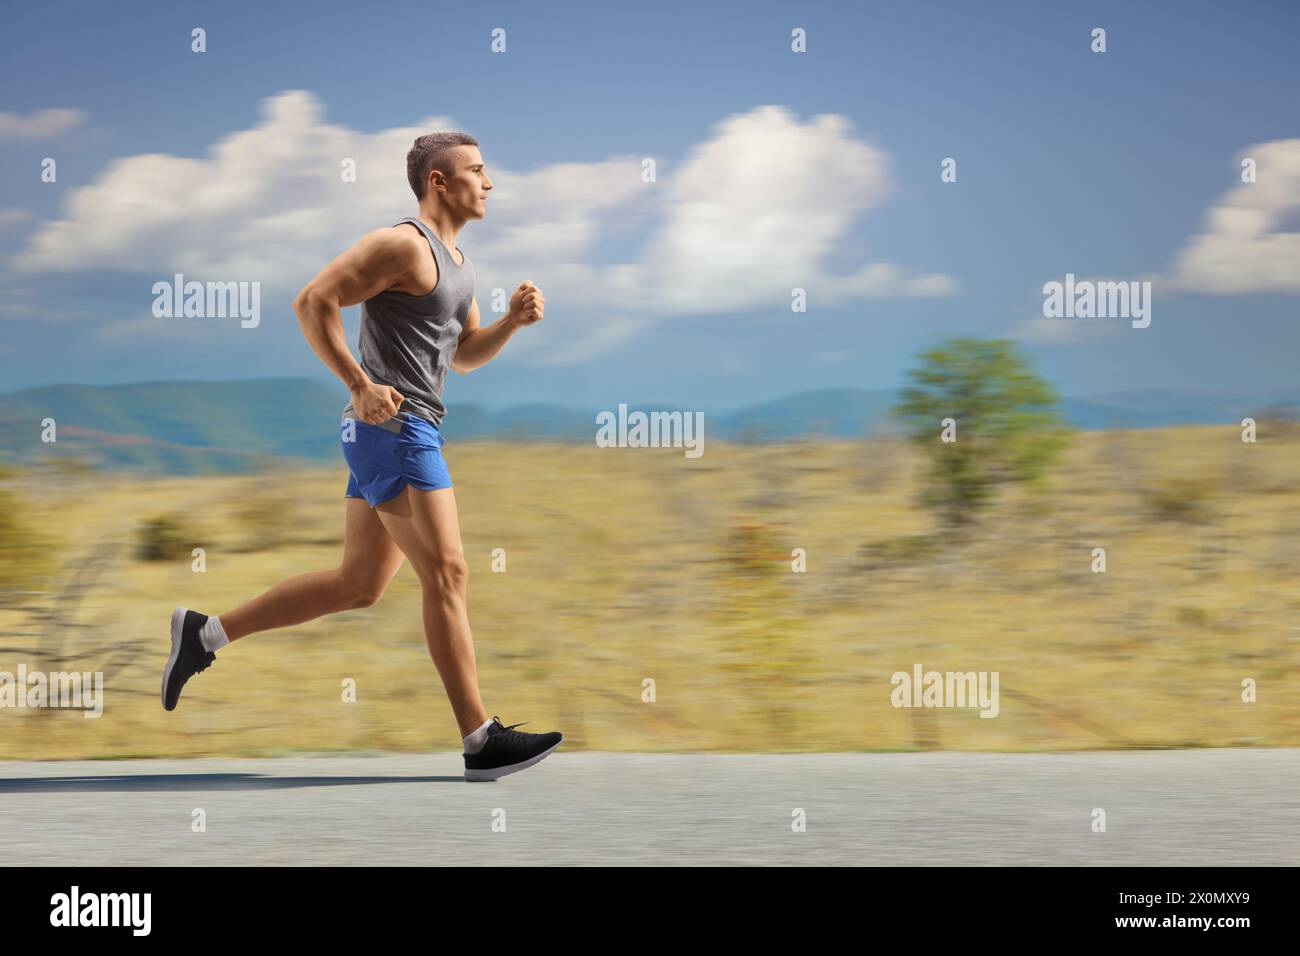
(478, 346)
(381, 260)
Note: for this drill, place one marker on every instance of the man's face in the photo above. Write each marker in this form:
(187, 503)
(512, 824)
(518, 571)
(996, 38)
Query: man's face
(465, 186)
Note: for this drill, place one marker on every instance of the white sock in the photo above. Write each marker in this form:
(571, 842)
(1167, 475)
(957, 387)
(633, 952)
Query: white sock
(212, 635)
(475, 741)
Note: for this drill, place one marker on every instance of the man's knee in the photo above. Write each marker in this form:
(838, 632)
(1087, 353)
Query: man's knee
(446, 572)
(364, 592)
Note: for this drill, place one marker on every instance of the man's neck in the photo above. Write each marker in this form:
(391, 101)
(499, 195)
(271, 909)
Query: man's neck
(445, 226)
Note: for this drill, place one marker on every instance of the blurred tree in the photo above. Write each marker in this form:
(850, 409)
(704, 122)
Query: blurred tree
(1007, 425)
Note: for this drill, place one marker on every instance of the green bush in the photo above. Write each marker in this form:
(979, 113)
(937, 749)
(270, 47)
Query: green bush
(1180, 499)
(164, 538)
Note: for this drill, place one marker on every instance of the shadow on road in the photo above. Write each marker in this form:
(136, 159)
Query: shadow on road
(195, 781)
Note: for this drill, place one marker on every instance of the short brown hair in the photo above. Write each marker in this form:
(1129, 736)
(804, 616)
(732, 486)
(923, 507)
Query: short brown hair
(430, 150)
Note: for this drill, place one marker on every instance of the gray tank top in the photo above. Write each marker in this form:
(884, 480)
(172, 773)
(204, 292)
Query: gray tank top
(408, 341)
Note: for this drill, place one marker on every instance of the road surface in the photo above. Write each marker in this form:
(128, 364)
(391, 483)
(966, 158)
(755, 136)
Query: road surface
(1231, 807)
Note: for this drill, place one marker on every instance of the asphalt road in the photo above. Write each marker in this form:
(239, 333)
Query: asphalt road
(1232, 807)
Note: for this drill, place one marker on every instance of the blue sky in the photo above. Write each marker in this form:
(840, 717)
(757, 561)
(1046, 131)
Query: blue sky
(774, 169)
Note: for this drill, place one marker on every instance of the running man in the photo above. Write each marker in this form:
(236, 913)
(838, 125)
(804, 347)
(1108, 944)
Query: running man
(418, 319)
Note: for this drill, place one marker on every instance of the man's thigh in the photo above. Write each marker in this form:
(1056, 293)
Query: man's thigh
(367, 546)
(425, 524)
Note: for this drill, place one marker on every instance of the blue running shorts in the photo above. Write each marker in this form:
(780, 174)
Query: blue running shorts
(384, 459)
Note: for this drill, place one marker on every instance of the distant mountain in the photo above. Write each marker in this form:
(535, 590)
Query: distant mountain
(1160, 408)
(173, 427)
(830, 413)
(237, 426)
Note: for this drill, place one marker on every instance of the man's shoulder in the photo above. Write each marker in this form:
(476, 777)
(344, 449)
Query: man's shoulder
(402, 242)
(403, 233)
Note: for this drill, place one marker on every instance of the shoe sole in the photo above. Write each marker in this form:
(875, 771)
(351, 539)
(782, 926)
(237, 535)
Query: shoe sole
(496, 773)
(178, 632)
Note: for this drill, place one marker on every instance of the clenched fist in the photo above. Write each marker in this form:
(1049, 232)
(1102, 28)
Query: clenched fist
(527, 303)
(376, 404)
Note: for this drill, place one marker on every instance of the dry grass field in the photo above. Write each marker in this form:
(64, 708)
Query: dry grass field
(624, 565)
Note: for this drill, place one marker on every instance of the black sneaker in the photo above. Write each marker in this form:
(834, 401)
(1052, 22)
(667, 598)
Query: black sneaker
(188, 655)
(508, 750)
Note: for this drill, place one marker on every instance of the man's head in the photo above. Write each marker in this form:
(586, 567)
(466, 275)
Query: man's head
(446, 168)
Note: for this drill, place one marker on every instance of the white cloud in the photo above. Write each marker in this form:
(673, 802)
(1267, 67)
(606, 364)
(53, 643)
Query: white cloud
(266, 204)
(42, 125)
(14, 217)
(1241, 249)
(757, 209)
(754, 211)
(1046, 331)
